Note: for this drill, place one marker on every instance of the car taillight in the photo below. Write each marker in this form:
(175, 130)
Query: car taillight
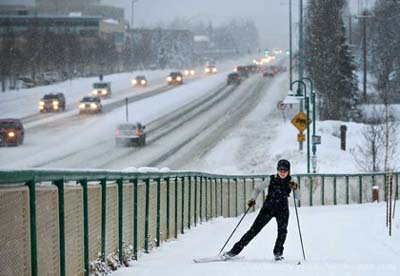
(137, 132)
(117, 132)
(238, 78)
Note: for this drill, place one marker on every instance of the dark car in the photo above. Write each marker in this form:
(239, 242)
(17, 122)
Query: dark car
(139, 81)
(11, 132)
(243, 71)
(269, 71)
(129, 134)
(90, 104)
(52, 102)
(175, 78)
(233, 78)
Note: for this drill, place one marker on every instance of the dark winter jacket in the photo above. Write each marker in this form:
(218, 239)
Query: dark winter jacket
(278, 192)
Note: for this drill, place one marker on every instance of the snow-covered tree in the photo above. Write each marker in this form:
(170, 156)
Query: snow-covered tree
(329, 62)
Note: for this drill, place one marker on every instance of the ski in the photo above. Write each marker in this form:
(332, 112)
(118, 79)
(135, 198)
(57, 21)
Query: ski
(218, 258)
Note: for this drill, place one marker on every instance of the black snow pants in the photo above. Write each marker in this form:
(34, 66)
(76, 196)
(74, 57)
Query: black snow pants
(265, 215)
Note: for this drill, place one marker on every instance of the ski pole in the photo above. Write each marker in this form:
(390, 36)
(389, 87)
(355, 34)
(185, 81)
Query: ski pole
(245, 213)
(298, 225)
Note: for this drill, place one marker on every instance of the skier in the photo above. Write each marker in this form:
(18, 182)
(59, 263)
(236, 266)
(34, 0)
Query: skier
(275, 205)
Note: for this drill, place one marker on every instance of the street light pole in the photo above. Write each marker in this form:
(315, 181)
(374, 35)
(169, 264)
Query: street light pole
(301, 50)
(290, 44)
(307, 106)
(314, 122)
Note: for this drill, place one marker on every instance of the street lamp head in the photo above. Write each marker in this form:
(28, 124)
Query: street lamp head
(291, 98)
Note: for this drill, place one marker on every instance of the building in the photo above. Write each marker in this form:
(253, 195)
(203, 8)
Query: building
(84, 26)
(86, 7)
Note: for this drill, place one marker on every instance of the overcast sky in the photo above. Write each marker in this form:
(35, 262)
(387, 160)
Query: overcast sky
(270, 16)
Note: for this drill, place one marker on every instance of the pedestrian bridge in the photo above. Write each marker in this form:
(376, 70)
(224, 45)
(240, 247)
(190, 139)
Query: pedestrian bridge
(57, 222)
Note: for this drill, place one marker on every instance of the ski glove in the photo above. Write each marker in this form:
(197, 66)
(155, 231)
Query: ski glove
(293, 185)
(251, 203)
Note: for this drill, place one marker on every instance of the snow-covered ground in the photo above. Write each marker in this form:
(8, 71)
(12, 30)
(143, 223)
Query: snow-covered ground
(338, 240)
(346, 240)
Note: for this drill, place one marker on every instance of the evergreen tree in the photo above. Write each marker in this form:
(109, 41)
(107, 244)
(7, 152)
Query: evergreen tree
(329, 62)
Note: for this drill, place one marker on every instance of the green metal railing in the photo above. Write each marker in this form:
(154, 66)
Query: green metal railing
(197, 187)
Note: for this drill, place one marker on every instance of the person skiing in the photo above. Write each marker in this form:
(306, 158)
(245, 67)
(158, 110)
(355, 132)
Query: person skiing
(275, 205)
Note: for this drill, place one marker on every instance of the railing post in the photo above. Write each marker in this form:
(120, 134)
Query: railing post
(206, 191)
(323, 191)
(211, 196)
(195, 200)
(244, 194)
(222, 197)
(347, 190)
(236, 197)
(201, 199)
(216, 197)
(189, 200)
(183, 205)
(103, 184)
(360, 186)
(61, 222)
(33, 238)
(120, 184)
(311, 190)
(168, 207)
(299, 199)
(135, 218)
(83, 183)
(146, 224)
(158, 236)
(176, 209)
(229, 198)
(334, 191)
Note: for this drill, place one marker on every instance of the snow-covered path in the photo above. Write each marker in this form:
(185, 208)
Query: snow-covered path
(338, 240)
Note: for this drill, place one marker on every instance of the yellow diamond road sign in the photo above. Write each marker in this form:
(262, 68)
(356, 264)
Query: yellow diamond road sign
(300, 121)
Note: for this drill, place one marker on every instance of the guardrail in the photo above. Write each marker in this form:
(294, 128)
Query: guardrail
(54, 222)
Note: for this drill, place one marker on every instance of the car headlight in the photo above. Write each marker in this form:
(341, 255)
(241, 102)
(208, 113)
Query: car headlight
(103, 92)
(186, 72)
(207, 70)
(169, 79)
(214, 70)
(11, 134)
(192, 72)
(93, 106)
(178, 78)
(143, 82)
(134, 82)
(41, 103)
(94, 92)
(82, 106)
(55, 102)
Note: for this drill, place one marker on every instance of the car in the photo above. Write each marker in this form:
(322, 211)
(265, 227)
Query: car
(210, 69)
(189, 72)
(90, 104)
(129, 134)
(269, 71)
(175, 78)
(27, 82)
(11, 132)
(233, 78)
(52, 102)
(243, 71)
(139, 81)
(101, 89)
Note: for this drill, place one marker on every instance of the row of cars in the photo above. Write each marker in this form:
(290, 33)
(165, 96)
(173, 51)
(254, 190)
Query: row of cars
(12, 131)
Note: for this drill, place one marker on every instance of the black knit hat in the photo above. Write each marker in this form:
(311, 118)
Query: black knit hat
(283, 164)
